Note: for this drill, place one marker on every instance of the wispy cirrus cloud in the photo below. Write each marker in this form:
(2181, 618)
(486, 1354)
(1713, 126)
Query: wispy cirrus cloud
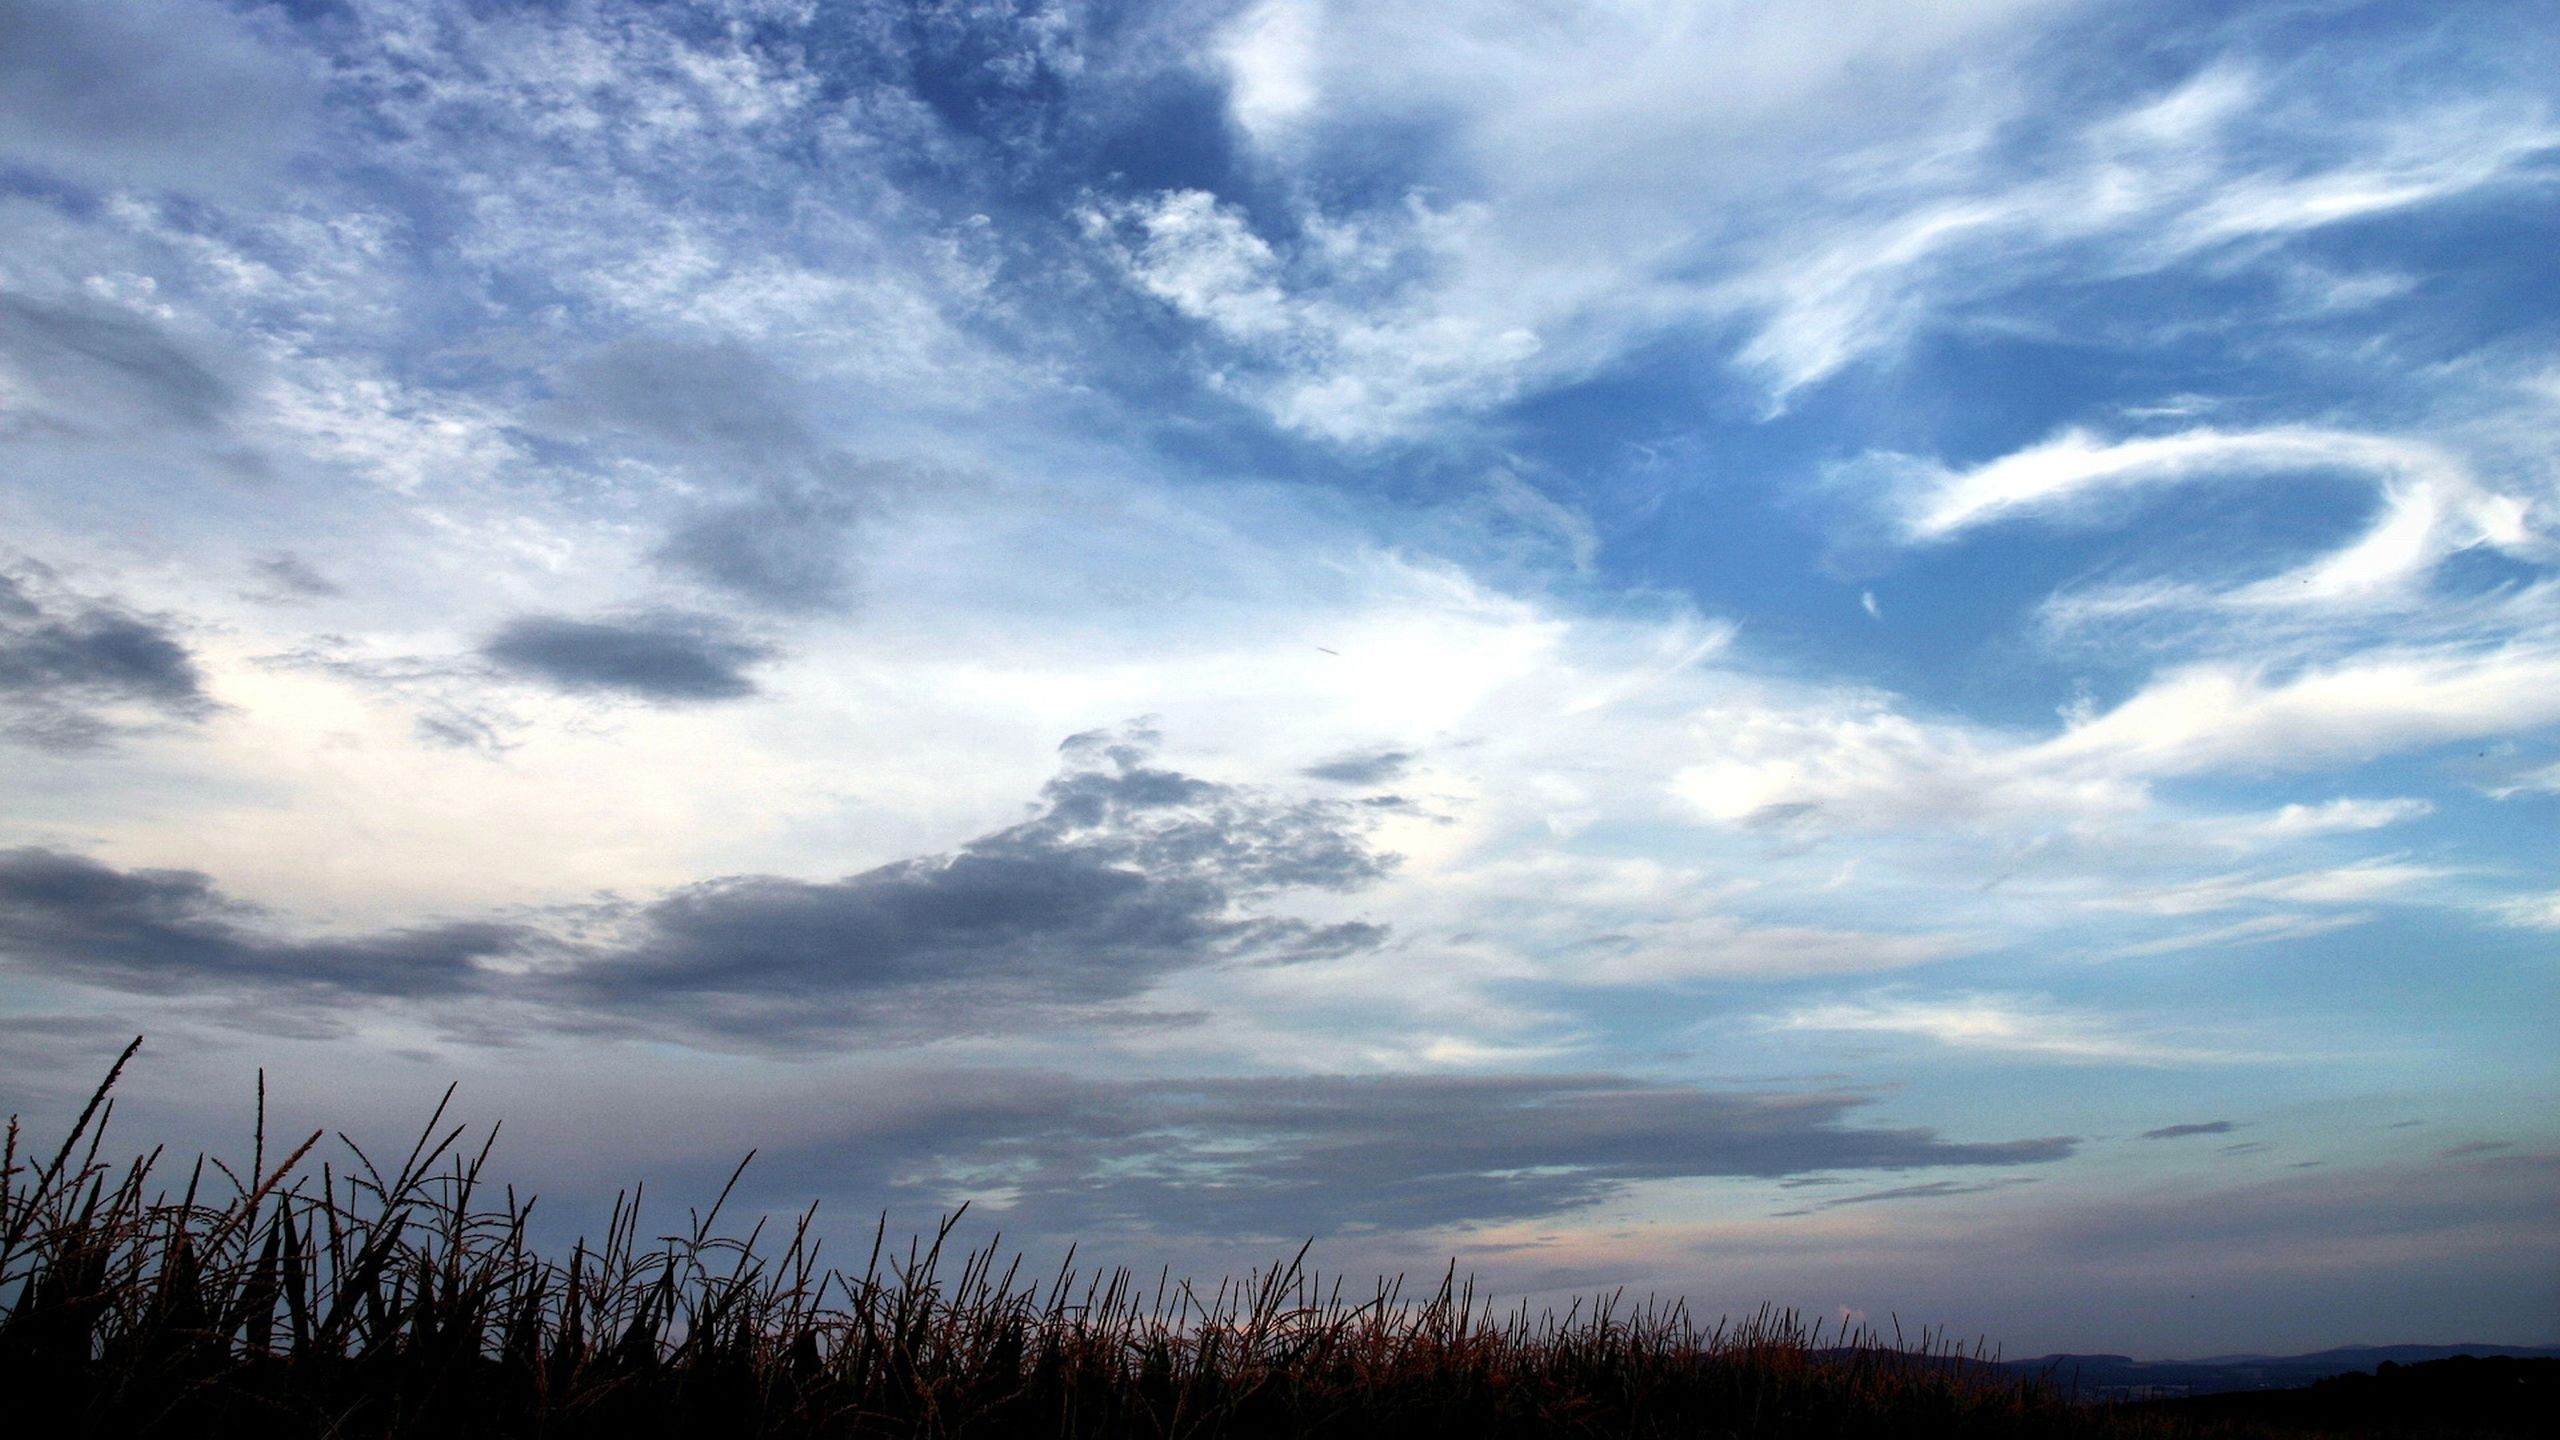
(1512, 271)
(2267, 929)
(2357, 883)
(1862, 761)
(2431, 509)
(2532, 912)
(2207, 716)
(2008, 1024)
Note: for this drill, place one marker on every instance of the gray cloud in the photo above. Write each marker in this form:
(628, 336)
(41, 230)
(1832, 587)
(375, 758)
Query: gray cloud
(665, 656)
(2172, 1132)
(716, 395)
(165, 931)
(287, 578)
(777, 527)
(1932, 1190)
(67, 663)
(462, 727)
(783, 546)
(1125, 874)
(1291, 1156)
(96, 368)
(173, 94)
(1374, 767)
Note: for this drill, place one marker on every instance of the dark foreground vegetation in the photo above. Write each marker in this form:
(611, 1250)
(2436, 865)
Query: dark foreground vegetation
(361, 1302)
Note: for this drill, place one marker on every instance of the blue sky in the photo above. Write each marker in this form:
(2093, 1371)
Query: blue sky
(1894, 658)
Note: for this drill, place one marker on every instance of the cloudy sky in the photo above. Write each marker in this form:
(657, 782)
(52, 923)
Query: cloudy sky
(1897, 658)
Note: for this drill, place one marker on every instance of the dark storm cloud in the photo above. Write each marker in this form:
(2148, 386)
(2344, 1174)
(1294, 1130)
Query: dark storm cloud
(67, 664)
(165, 931)
(118, 94)
(1374, 767)
(97, 368)
(664, 656)
(1291, 1156)
(1126, 873)
(2172, 1132)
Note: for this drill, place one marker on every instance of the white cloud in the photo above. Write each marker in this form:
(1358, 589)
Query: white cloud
(406, 439)
(2411, 160)
(2006, 1024)
(1860, 761)
(1867, 183)
(2345, 815)
(1270, 56)
(1329, 347)
(2219, 715)
(2545, 780)
(2353, 884)
(2532, 912)
(2066, 472)
(1721, 947)
(1202, 258)
(2159, 185)
(2432, 508)
(2256, 930)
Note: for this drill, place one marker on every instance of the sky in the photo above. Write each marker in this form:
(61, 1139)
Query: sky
(1898, 659)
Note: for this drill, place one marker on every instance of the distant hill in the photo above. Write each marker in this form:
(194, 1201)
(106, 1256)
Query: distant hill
(2462, 1396)
(2119, 1377)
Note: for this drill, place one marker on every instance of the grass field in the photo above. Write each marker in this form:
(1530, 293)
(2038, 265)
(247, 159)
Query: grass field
(310, 1296)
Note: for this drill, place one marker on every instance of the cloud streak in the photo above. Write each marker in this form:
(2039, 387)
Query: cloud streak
(2004, 1024)
(2432, 508)
(1287, 1156)
(2177, 1132)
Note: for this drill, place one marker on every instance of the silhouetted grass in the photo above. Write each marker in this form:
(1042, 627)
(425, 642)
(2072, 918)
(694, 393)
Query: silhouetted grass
(360, 1302)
